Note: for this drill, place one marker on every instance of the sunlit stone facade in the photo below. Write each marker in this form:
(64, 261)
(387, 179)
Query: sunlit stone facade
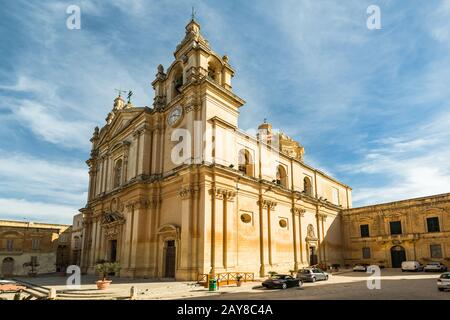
(178, 190)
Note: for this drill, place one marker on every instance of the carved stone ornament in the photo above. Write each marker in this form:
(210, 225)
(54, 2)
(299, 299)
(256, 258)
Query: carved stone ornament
(298, 211)
(310, 234)
(321, 216)
(267, 204)
(111, 217)
(221, 193)
(112, 232)
(187, 192)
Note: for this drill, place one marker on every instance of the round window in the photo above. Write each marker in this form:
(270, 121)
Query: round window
(246, 218)
(283, 223)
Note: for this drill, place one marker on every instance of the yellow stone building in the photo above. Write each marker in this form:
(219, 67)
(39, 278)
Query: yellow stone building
(387, 234)
(178, 189)
(46, 246)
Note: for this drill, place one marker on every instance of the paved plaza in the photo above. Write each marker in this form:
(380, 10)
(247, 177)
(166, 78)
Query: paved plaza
(344, 285)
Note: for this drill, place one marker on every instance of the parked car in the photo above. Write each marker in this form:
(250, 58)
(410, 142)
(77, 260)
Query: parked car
(411, 266)
(435, 266)
(443, 282)
(311, 274)
(281, 281)
(360, 267)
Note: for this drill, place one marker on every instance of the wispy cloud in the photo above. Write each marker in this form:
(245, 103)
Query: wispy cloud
(53, 181)
(412, 165)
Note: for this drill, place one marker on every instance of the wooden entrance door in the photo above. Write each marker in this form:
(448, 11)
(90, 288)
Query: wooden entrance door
(169, 271)
(8, 267)
(398, 255)
(113, 251)
(312, 256)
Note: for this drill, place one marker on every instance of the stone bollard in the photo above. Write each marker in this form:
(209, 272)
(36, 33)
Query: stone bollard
(133, 293)
(52, 294)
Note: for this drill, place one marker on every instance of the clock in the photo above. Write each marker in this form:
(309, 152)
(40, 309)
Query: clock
(175, 115)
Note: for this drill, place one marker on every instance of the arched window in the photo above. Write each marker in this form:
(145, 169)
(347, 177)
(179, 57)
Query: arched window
(212, 73)
(118, 173)
(307, 187)
(245, 162)
(214, 70)
(281, 176)
(177, 80)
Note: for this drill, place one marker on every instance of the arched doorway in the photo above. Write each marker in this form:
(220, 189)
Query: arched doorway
(8, 267)
(398, 255)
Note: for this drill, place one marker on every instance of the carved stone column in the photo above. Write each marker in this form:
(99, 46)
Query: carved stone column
(297, 214)
(216, 214)
(265, 234)
(320, 218)
(188, 263)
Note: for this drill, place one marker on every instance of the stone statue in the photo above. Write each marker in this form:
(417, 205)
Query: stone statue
(311, 233)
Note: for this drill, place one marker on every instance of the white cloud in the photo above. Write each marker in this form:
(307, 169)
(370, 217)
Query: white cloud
(413, 164)
(58, 182)
(23, 210)
(53, 128)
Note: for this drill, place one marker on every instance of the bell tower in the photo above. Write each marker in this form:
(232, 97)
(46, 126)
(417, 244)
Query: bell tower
(196, 91)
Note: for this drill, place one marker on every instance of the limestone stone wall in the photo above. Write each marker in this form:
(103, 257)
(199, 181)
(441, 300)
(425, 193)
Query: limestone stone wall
(415, 239)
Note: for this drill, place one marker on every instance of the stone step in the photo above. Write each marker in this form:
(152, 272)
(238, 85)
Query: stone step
(86, 293)
(92, 298)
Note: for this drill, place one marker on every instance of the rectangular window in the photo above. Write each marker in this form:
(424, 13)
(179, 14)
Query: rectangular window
(35, 244)
(9, 244)
(436, 251)
(433, 224)
(396, 227)
(364, 230)
(34, 260)
(366, 253)
(335, 196)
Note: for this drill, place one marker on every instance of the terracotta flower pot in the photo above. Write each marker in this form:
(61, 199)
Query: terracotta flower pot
(103, 284)
(239, 283)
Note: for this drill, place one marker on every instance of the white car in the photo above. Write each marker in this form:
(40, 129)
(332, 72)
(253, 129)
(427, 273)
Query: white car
(435, 266)
(443, 282)
(411, 266)
(360, 267)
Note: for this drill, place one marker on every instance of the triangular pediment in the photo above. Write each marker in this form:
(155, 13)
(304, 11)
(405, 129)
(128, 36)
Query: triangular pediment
(111, 217)
(121, 120)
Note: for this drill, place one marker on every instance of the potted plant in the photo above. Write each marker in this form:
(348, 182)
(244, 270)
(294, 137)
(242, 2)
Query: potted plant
(104, 269)
(238, 280)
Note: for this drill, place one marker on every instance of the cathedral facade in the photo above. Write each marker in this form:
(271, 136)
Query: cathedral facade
(178, 190)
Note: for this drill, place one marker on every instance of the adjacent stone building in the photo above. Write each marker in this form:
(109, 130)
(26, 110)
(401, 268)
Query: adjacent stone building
(178, 190)
(30, 247)
(76, 240)
(387, 234)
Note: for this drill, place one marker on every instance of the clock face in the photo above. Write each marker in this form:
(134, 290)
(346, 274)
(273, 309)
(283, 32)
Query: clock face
(175, 115)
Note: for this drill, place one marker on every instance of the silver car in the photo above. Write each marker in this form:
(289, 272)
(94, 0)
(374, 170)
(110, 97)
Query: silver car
(443, 282)
(311, 274)
(435, 266)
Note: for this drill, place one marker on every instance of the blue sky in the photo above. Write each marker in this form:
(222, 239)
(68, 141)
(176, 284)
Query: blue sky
(371, 107)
